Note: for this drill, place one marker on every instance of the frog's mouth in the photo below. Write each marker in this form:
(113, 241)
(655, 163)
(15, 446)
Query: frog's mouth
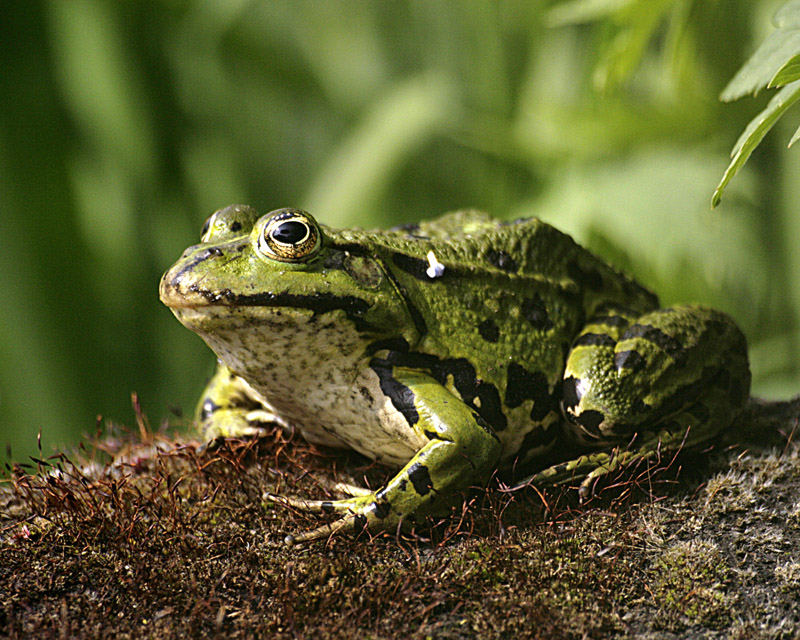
(194, 301)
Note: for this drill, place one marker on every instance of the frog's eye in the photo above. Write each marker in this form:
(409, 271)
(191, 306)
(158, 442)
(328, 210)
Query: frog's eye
(289, 235)
(228, 223)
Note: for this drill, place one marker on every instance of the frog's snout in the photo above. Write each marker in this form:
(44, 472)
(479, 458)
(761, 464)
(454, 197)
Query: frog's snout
(169, 290)
(176, 289)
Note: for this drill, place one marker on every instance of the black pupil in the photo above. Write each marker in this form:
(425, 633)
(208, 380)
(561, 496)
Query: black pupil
(290, 232)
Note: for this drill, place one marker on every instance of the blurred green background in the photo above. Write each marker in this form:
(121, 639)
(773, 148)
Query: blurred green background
(125, 124)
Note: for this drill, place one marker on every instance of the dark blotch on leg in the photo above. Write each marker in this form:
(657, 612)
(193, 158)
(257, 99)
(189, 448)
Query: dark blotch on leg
(359, 522)
(327, 507)
(381, 509)
(594, 340)
(632, 360)
(209, 407)
(590, 419)
(570, 392)
(421, 478)
(524, 385)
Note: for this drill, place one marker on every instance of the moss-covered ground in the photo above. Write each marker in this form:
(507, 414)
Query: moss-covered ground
(144, 536)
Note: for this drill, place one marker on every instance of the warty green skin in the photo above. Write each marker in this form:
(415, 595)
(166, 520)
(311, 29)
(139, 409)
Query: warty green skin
(448, 349)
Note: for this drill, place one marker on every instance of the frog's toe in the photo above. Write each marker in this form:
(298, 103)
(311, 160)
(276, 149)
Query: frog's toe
(314, 506)
(351, 489)
(210, 446)
(232, 423)
(353, 522)
(360, 513)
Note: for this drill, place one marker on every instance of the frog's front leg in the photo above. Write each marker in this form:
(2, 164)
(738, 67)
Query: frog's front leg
(460, 450)
(643, 385)
(228, 408)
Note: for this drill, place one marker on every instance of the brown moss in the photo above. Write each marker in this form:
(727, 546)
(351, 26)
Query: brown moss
(145, 536)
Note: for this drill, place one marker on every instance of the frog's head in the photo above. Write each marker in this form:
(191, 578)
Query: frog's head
(281, 275)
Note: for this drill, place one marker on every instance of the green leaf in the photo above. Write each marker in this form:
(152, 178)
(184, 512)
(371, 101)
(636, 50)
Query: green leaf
(755, 132)
(626, 50)
(763, 65)
(789, 72)
(795, 137)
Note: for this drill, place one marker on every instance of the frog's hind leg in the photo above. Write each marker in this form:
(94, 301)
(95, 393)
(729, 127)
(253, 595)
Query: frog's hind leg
(648, 384)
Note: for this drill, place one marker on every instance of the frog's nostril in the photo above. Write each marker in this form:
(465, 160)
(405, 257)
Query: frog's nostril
(189, 250)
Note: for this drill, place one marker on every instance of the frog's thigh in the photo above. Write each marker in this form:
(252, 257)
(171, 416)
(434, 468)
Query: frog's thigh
(671, 373)
(460, 450)
(229, 408)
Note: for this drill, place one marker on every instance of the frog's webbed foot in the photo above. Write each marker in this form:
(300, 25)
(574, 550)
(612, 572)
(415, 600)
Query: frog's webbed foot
(229, 409)
(234, 423)
(587, 469)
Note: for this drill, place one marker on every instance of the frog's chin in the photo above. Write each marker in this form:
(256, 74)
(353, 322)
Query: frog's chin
(214, 318)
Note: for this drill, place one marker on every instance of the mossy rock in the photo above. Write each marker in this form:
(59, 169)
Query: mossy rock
(157, 540)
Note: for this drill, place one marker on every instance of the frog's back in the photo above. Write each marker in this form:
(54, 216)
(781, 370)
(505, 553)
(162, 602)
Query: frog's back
(478, 252)
(499, 315)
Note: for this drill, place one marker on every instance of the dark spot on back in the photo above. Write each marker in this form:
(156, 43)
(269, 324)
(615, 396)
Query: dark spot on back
(491, 408)
(611, 320)
(502, 260)
(632, 289)
(590, 277)
(535, 312)
(537, 438)
(488, 330)
(417, 267)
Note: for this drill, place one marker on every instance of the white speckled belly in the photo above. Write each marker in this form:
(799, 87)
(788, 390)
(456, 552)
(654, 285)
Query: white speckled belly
(312, 372)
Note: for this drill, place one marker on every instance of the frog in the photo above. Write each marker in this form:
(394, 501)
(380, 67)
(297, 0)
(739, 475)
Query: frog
(447, 350)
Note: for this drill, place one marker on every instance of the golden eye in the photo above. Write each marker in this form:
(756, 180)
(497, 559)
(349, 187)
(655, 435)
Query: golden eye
(289, 235)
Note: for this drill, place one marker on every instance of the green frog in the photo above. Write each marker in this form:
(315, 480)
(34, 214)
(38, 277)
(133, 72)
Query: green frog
(448, 349)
